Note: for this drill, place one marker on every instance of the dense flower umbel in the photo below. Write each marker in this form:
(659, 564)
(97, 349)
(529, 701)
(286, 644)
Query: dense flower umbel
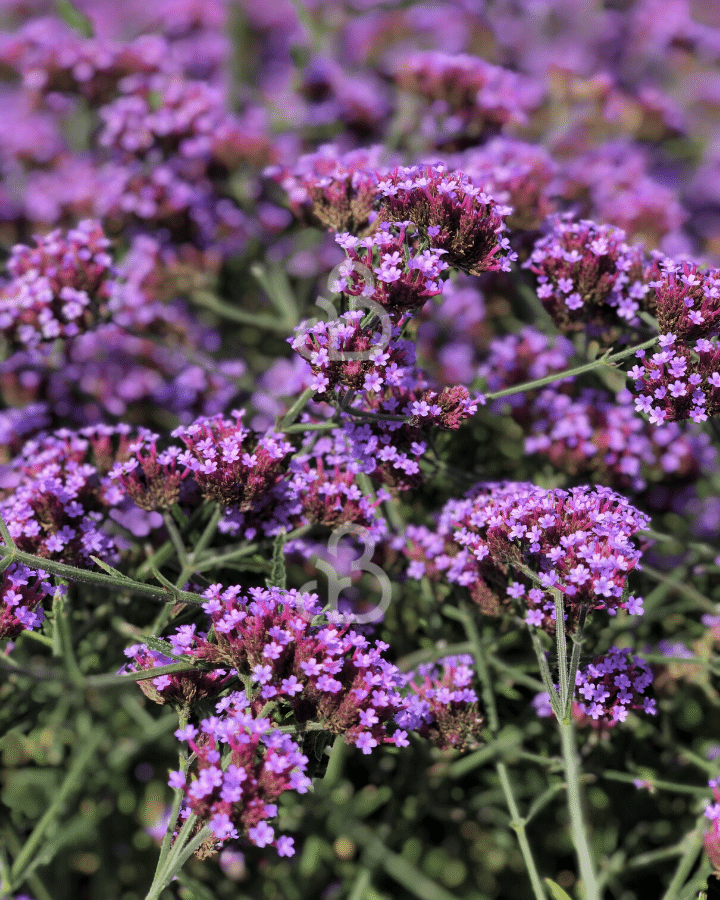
(182, 689)
(450, 214)
(389, 450)
(60, 494)
(517, 174)
(392, 268)
(479, 96)
(687, 300)
(443, 707)
(231, 463)
(243, 765)
(59, 288)
(680, 381)
(329, 347)
(324, 673)
(589, 279)
(711, 839)
(576, 542)
(151, 481)
(331, 189)
(21, 593)
(613, 685)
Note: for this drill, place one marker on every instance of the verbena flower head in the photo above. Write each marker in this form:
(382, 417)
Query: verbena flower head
(231, 463)
(443, 706)
(451, 214)
(60, 496)
(321, 672)
(243, 764)
(389, 450)
(687, 300)
(516, 174)
(181, 689)
(152, 481)
(478, 97)
(589, 279)
(329, 348)
(331, 189)
(679, 381)
(392, 268)
(613, 685)
(22, 593)
(517, 541)
(59, 288)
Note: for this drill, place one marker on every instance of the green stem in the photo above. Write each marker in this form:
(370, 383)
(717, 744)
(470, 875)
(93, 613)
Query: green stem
(234, 314)
(604, 360)
(687, 861)
(71, 782)
(578, 826)
(516, 821)
(295, 410)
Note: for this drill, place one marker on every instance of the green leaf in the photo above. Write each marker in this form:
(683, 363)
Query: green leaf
(278, 577)
(164, 647)
(73, 17)
(557, 892)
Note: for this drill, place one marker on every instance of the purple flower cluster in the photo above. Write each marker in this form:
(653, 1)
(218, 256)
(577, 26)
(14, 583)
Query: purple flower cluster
(474, 96)
(613, 685)
(231, 463)
(344, 352)
(390, 450)
(181, 690)
(59, 288)
(687, 300)
(243, 764)
(589, 279)
(451, 214)
(322, 672)
(680, 381)
(331, 189)
(443, 706)
(519, 175)
(152, 481)
(21, 594)
(574, 542)
(391, 268)
(58, 496)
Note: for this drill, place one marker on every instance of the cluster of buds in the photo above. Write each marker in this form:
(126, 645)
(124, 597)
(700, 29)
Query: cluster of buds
(242, 765)
(443, 708)
(613, 685)
(59, 289)
(392, 268)
(330, 189)
(344, 352)
(21, 594)
(323, 673)
(152, 481)
(232, 464)
(451, 214)
(479, 97)
(182, 689)
(573, 542)
(589, 279)
(680, 381)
